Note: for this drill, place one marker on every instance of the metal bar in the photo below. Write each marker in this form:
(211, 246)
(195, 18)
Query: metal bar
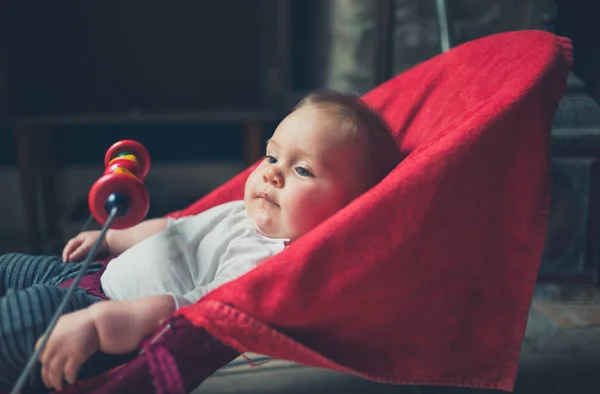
(442, 14)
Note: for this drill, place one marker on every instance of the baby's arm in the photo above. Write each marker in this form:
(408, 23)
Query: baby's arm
(115, 242)
(119, 241)
(114, 327)
(122, 325)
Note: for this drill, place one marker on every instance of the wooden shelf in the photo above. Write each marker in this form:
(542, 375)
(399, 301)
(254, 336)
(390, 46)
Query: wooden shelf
(134, 117)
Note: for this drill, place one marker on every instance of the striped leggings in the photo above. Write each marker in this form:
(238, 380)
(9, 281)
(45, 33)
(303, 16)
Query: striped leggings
(29, 296)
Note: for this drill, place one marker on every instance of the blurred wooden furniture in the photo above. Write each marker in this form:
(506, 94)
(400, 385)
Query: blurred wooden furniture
(34, 141)
(246, 71)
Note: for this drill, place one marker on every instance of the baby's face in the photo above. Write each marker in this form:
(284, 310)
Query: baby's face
(308, 174)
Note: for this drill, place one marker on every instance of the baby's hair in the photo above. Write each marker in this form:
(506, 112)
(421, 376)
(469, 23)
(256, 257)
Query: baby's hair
(353, 117)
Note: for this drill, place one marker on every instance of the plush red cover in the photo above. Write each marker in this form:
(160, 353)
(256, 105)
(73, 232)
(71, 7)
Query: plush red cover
(428, 277)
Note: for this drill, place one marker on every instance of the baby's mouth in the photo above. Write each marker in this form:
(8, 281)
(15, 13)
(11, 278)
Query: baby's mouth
(267, 197)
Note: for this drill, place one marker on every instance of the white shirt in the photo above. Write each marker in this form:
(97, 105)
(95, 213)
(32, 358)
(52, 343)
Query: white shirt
(191, 257)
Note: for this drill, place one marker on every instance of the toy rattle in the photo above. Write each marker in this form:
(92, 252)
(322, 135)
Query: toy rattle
(118, 200)
(127, 163)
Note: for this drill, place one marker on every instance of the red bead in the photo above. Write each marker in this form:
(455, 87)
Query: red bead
(122, 175)
(134, 147)
(139, 202)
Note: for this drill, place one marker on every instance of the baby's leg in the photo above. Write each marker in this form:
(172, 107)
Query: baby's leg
(24, 316)
(19, 271)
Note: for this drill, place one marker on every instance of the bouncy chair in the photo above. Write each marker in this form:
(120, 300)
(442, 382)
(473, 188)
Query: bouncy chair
(427, 278)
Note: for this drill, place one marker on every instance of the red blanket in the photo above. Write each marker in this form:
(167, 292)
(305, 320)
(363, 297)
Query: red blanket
(428, 277)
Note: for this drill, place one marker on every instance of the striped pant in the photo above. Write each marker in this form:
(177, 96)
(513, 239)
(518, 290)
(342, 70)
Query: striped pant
(29, 297)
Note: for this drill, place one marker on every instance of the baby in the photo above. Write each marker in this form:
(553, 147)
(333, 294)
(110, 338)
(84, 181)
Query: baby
(329, 150)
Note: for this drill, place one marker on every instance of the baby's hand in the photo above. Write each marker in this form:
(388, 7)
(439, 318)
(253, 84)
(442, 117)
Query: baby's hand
(73, 341)
(78, 247)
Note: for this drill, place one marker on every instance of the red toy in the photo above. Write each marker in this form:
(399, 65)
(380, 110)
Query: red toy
(127, 164)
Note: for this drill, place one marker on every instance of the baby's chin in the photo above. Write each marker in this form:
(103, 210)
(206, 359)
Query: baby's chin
(266, 225)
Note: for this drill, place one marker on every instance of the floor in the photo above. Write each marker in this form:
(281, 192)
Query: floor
(535, 378)
(537, 375)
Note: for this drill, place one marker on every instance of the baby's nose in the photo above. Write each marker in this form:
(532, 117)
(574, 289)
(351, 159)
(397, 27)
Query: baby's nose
(273, 176)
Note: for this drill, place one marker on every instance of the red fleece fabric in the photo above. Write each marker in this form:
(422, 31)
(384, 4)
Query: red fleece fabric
(428, 277)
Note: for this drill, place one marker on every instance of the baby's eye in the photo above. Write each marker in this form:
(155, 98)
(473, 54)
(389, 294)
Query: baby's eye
(270, 159)
(303, 171)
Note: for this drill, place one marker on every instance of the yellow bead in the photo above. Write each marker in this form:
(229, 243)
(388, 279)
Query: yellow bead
(124, 171)
(125, 157)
